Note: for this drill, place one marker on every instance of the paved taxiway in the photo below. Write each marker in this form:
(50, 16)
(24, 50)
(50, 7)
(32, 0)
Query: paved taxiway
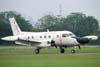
(32, 53)
(44, 53)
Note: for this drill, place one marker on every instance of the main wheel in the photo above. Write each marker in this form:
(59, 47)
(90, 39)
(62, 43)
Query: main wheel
(37, 51)
(72, 51)
(62, 50)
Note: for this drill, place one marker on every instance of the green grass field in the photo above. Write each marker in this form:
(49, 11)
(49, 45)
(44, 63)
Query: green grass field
(25, 57)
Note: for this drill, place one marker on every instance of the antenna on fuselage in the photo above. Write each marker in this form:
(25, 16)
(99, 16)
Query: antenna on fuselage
(60, 11)
(47, 30)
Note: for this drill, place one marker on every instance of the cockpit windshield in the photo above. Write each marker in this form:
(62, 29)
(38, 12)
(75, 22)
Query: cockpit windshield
(67, 34)
(64, 35)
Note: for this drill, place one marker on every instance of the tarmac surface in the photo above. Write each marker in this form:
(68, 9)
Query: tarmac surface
(32, 53)
(16, 53)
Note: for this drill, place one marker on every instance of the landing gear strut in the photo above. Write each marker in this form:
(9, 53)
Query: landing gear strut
(37, 51)
(62, 50)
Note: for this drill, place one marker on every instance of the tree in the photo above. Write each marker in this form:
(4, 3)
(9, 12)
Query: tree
(5, 29)
(80, 24)
(47, 22)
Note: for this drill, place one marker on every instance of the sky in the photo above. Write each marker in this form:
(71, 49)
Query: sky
(35, 9)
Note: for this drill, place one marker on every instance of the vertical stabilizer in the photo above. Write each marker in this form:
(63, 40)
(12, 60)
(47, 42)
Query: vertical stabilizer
(14, 26)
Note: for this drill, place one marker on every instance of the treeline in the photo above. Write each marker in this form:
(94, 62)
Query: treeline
(5, 29)
(78, 23)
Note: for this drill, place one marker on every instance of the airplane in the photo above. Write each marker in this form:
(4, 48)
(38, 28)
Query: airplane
(39, 40)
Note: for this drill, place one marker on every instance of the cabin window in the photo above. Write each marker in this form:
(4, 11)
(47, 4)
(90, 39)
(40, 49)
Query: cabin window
(45, 37)
(57, 36)
(40, 36)
(32, 37)
(49, 36)
(28, 37)
(70, 34)
(65, 35)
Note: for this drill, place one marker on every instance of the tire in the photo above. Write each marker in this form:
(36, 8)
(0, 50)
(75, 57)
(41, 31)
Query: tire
(37, 51)
(62, 50)
(72, 51)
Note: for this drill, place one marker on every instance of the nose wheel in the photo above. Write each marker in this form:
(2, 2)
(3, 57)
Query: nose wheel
(73, 51)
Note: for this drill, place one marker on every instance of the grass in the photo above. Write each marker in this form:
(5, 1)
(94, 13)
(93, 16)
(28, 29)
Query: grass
(49, 58)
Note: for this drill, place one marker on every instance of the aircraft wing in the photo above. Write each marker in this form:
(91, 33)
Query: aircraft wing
(41, 43)
(27, 41)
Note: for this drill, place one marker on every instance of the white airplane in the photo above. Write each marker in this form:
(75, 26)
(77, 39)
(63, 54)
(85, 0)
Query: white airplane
(61, 39)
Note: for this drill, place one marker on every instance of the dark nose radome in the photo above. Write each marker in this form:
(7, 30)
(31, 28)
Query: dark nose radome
(82, 40)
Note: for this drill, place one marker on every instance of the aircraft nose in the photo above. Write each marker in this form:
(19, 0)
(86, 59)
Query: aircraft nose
(82, 40)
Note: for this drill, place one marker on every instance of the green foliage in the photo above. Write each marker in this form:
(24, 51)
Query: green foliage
(23, 24)
(5, 29)
(78, 23)
(24, 57)
(47, 22)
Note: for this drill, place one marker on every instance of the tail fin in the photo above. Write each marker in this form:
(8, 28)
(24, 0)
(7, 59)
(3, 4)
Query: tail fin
(14, 26)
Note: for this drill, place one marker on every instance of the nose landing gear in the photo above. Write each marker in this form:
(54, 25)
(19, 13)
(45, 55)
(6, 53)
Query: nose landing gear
(73, 51)
(37, 51)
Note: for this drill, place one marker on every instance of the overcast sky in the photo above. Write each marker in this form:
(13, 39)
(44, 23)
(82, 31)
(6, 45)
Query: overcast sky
(34, 9)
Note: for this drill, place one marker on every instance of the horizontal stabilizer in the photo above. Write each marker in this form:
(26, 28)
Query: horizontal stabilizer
(10, 38)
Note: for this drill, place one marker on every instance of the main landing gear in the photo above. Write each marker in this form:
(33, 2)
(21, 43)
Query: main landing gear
(37, 51)
(62, 50)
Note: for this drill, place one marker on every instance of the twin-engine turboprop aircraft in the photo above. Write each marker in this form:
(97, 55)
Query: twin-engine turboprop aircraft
(61, 39)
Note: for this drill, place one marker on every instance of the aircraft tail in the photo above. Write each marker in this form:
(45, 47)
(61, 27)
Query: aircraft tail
(14, 26)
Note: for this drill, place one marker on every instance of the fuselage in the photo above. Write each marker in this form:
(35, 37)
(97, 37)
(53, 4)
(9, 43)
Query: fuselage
(44, 39)
(61, 38)
(39, 40)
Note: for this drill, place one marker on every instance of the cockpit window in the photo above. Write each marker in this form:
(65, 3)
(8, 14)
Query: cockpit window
(67, 35)
(70, 34)
(64, 35)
